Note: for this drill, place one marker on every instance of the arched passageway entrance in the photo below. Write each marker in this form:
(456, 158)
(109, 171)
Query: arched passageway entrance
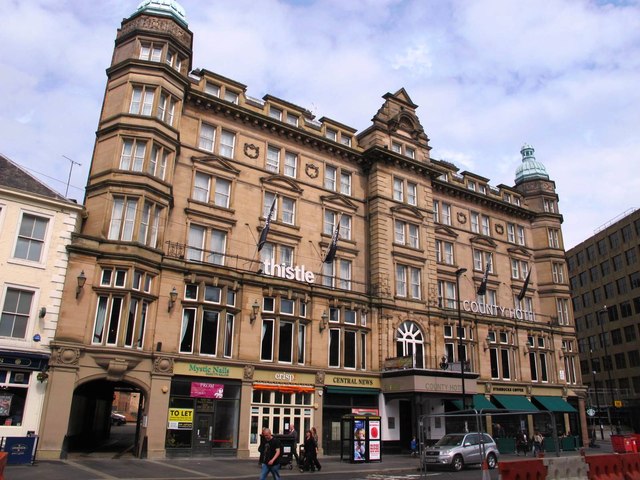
(105, 419)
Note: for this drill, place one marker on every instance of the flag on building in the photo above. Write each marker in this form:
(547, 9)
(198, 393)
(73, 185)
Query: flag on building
(333, 247)
(267, 224)
(523, 292)
(482, 289)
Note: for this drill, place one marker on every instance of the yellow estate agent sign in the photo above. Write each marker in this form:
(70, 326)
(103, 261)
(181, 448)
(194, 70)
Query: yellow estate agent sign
(180, 419)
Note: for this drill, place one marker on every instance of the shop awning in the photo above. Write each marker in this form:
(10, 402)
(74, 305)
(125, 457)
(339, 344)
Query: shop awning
(353, 390)
(515, 402)
(284, 388)
(554, 404)
(480, 402)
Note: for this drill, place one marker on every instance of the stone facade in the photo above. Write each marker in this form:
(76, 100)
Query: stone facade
(180, 305)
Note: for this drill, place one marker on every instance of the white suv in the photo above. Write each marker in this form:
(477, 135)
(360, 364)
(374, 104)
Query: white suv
(459, 449)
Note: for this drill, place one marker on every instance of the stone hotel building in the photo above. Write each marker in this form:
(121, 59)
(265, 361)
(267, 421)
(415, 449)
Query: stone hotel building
(361, 298)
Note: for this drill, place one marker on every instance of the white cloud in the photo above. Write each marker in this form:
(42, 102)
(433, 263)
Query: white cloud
(489, 75)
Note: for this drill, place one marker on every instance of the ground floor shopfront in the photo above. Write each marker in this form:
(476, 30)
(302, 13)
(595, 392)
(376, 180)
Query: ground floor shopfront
(221, 410)
(22, 388)
(431, 400)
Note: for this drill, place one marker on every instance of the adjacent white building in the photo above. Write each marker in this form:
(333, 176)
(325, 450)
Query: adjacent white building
(36, 225)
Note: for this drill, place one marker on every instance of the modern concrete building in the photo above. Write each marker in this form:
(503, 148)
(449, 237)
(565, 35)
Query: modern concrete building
(36, 225)
(249, 265)
(605, 282)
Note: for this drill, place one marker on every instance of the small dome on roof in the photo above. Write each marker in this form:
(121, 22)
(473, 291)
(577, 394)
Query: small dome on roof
(530, 169)
(164, 7)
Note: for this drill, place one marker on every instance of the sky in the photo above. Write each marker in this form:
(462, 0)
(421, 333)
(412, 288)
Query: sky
(488, 76)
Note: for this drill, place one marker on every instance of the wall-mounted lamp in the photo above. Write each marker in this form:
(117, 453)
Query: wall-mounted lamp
(255, 309)
(82, 279)
(324, 318)
(42, 312)
(173, 296)
(486, 346)
(527, 350)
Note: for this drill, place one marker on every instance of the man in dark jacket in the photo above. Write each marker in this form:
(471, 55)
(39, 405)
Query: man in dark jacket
(270, 456)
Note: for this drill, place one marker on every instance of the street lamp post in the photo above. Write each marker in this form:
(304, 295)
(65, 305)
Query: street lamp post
(459, 272)
(595, 388)
(608, 367)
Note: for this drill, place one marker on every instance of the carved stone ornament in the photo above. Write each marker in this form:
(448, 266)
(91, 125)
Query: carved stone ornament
(499, 228)
(251, 150)
(163, 365)
(487, 387)
(157, 25)
(248, 372)
(462, 218)
(528, 389)
(66, 356)
(311, 170)
(320, 378)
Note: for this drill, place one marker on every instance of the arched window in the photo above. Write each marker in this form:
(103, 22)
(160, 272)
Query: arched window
(409, 342)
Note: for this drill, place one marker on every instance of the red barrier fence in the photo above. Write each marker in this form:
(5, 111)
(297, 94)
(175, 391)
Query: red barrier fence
(605, 467)
(631, 466)
(4, 456)
(532, 469)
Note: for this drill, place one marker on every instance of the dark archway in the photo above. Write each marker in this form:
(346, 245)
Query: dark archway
(105, 419)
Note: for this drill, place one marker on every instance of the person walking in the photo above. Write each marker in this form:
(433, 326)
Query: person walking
(314, 434)
(293, 433)
(310, 453)
(270, 456)
(261, 447)
(522, 443)
(538, 441)
(414, 446)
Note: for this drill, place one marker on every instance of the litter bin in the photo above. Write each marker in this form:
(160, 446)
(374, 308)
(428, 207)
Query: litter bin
(21, 450)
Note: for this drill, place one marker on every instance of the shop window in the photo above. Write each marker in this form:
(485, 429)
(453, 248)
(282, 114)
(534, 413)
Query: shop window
(14, 386)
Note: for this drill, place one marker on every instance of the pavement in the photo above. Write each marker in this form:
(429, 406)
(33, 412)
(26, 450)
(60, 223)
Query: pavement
(98, 467)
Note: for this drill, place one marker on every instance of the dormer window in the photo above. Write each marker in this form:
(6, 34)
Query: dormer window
(212, 89)
(231, 96)
(471, 185)
(275, 113)
(292, 119)
(345, 140)
(396, 147)
(331, 134)
(410, 152)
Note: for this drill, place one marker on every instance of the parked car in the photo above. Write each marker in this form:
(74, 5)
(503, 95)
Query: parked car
(118, 418)
(459, 449)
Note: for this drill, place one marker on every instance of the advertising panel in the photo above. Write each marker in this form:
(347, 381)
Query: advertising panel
(359, 442)
(207, 390)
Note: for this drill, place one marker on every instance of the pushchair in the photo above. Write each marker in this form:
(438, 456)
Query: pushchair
(288, 445)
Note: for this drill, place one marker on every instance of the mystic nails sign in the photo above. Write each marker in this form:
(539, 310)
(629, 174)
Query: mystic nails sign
(298, 273)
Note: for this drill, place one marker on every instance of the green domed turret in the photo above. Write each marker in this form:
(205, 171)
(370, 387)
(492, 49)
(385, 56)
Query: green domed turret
(169, 8)
(530, 169)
